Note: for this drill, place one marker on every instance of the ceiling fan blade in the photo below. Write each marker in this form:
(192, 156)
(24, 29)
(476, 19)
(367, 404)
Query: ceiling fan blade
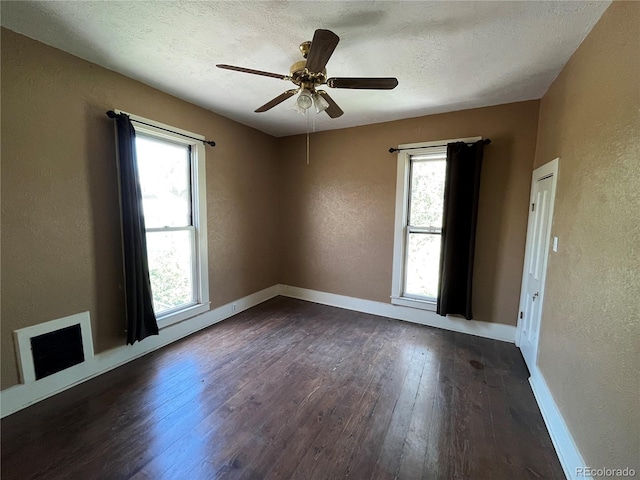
(334, 111)
(279, 99)
(388, 83)
(254, 72)
(322, 46)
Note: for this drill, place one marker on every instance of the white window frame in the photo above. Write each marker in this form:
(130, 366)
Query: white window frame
(199, 214)
(400, 237)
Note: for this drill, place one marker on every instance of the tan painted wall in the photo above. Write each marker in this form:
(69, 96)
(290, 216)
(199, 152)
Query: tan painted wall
(590, 335)
(60, 226)
(338, 211)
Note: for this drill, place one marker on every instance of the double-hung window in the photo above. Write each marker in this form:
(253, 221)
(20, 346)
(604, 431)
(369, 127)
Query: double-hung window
(171, 170)
(418, 225)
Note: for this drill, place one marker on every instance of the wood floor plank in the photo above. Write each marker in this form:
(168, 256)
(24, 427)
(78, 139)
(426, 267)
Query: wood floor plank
(364, 458)
(292, 389)
(515, 414)
(474, 447)
(342, 418)
(219, 405)
(323, 415)
(379, 371)
(412, 457)
(437, 461)
(303, 367)
(249, 396)
(390, 456)
(284, 422)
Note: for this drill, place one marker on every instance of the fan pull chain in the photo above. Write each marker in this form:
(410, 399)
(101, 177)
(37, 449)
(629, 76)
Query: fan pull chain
(307, 112)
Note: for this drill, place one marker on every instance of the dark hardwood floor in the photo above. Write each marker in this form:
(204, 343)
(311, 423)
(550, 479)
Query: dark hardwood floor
(291, 389)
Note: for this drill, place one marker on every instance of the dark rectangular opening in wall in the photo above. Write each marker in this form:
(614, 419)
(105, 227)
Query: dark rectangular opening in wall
(55, 351)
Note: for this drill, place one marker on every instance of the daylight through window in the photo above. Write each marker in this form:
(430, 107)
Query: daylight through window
(171, 173)
(165, 178)
(424, 224)
(421, 176)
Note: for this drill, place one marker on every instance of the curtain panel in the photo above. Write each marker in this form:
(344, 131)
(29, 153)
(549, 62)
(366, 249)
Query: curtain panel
(460, 218)
(141, 320)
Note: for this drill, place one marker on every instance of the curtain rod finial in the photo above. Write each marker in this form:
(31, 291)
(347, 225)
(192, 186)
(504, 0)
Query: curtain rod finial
(391, 150)
(111, 114)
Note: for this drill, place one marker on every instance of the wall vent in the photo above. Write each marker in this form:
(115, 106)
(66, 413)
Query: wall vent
(56, 351)
(52, 347)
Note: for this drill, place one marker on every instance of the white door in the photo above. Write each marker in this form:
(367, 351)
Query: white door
(536, 255)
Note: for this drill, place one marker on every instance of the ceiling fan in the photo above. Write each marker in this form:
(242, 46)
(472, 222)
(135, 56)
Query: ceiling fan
(311, 73)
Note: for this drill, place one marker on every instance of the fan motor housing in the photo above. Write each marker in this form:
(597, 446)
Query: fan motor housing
(300, 75)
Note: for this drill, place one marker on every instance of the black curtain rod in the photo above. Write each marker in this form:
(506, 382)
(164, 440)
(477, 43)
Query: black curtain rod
(112, 114)
(486, 141)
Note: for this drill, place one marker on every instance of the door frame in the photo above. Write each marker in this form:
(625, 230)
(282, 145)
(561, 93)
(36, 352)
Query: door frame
(550, 168)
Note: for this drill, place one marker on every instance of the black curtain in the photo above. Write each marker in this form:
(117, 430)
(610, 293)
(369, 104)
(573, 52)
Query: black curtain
(460, 217)
(141, 320)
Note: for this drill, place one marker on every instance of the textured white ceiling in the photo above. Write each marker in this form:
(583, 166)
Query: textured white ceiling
(446, 55)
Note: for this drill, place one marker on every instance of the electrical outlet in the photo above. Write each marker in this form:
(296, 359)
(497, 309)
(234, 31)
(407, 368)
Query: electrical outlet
(234, 307)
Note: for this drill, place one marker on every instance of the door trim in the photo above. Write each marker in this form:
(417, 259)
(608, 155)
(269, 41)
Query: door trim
(546, 170)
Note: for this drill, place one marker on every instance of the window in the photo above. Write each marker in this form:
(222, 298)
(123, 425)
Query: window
(172, 179)
(418, 225)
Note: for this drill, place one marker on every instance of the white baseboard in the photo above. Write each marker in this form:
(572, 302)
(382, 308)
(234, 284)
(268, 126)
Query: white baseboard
(568, 454)
(496, 331)
(22, 395)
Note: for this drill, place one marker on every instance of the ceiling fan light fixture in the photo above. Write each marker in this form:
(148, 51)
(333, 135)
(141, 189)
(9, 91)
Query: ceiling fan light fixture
(320, 103)
(305, 100)
(308, 74)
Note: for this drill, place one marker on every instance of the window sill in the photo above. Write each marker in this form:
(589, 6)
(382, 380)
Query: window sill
(181, 315)
(414, 303)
